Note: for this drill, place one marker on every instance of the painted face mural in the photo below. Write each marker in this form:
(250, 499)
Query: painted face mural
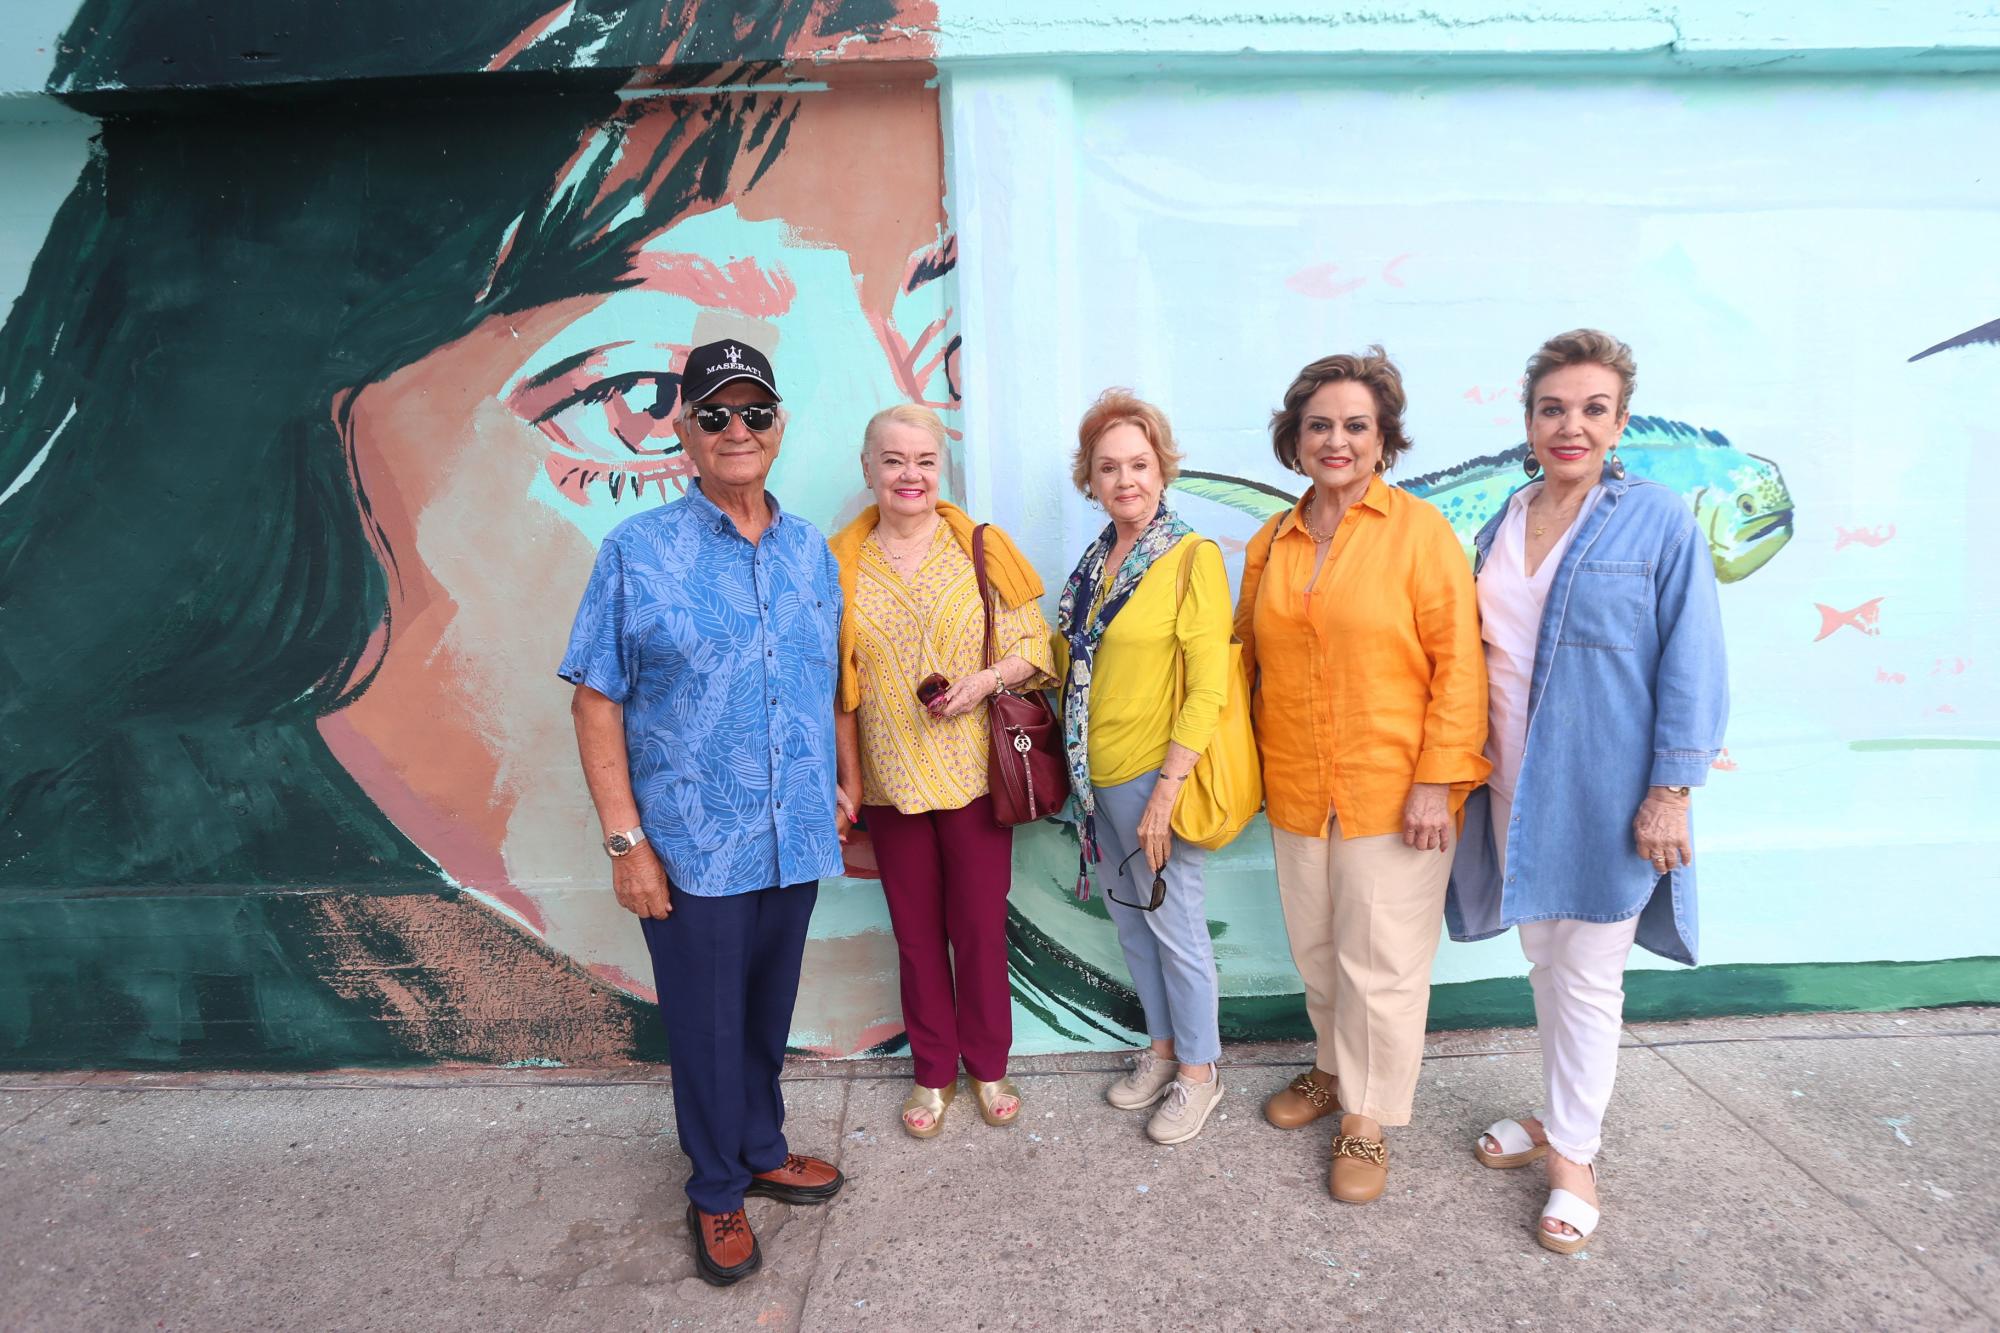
(459, 369)
(495, 463)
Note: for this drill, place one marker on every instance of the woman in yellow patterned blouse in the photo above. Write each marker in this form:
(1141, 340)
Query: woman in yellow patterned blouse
(917, 770)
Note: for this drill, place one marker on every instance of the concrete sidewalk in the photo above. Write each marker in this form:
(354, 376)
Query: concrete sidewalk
(1821, 1172)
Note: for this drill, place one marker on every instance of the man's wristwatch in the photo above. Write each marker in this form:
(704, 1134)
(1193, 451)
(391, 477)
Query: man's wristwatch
(621, 844)
(1681, 792)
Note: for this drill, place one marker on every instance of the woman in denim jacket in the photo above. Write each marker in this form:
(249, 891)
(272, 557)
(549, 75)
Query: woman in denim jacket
(1608, 695)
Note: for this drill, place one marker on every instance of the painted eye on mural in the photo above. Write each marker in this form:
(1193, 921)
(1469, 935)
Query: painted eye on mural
(1747, 504)
(615, 438)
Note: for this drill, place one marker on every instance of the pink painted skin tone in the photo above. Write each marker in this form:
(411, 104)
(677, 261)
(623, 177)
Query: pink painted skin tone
(464, 739)
(1127, 480)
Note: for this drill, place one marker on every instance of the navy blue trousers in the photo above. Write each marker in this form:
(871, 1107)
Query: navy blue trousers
(727, 970)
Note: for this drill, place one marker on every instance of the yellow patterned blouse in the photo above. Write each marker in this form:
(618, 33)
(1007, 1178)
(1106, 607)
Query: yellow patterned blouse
(906, 628)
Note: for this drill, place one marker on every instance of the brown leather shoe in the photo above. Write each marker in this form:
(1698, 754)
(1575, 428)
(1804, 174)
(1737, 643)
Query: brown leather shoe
(1360, 1166)
(1309, 1097)
(725, 1249)
(799, 1180)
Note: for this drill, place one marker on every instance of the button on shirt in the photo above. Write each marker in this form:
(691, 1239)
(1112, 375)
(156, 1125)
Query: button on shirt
(722, 653)
(1369, 679)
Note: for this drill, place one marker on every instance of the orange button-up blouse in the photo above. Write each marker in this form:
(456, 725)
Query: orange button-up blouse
(1371, 680)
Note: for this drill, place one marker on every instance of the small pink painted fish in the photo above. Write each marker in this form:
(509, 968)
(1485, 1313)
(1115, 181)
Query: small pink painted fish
(1866, 617)
(1875, 536)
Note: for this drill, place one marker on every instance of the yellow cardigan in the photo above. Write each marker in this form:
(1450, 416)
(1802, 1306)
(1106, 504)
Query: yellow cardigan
(1132, 713)
(1014, 580)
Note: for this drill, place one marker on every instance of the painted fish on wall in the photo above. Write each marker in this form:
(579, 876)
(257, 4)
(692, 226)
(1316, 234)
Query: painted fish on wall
(1739, 500)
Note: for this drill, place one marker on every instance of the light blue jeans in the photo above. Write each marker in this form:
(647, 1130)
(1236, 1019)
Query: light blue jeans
(1168, 952)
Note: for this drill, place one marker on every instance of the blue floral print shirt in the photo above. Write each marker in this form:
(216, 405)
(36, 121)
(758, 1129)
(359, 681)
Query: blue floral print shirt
(723, 655)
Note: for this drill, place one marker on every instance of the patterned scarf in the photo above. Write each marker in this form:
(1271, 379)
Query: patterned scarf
(1084, 631)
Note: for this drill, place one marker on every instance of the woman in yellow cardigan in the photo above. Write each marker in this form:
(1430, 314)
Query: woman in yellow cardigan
(1132, 743)
(916, 765)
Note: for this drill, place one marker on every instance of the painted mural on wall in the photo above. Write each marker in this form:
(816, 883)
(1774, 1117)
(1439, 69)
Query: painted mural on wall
(310, 423)
(302, 470)
(1459, 223)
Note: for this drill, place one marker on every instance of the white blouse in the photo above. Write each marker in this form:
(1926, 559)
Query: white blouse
(1510, 622)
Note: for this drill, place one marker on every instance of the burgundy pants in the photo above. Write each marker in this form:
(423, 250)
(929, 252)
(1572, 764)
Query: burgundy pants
(946, 875)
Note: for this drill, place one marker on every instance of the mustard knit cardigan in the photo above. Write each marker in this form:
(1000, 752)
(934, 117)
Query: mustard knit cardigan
(1014, 580)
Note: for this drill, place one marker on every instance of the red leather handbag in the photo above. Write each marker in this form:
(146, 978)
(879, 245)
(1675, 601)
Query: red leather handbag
(1027, 768)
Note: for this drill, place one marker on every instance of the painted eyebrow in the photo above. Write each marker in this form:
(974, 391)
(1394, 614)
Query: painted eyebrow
(565, 366)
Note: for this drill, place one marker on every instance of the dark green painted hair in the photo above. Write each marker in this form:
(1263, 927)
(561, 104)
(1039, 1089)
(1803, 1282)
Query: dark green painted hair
(188, 579)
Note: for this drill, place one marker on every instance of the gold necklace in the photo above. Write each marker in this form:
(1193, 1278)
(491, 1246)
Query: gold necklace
(916, 550)
(1312, 507)
(1543, 526)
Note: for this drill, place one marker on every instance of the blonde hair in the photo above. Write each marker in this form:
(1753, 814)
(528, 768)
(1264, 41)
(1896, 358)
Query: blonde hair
(904, 414)
(1119, 407)
(1372, 368)
(1583, 347)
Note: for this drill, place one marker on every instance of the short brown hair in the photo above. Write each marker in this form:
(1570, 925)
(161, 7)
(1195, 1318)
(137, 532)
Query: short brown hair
(1583, 347)
(1118, 407)
(1372, 368)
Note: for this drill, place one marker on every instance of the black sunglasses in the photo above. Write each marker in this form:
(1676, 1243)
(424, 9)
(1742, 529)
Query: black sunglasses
(1159, 886)
(714, 417)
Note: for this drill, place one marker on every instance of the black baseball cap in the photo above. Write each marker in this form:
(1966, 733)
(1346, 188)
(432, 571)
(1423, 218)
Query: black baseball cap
(712, 365)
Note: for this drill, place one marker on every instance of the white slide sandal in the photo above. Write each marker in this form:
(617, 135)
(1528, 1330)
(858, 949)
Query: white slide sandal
(1566, 1207)
(1516, 1148)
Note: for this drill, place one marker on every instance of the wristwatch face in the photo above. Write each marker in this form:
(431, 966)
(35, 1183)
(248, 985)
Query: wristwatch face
(618, 844)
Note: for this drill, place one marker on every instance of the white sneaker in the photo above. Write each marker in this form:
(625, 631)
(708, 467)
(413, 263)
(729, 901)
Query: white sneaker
(1146, 1084)
(1185, 1110)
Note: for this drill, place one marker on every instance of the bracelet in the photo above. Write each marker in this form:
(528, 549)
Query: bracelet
(999, 681)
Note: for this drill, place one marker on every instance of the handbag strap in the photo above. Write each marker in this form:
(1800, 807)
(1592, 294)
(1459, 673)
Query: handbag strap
(1181, 578)
(985, 592)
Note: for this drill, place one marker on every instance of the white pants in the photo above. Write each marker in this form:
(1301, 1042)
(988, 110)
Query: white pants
(1579, 981)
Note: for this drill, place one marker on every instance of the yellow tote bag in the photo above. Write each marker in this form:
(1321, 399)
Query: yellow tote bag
(1226, 789)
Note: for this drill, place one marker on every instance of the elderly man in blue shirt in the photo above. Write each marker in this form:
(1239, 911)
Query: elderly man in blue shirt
(703, 658)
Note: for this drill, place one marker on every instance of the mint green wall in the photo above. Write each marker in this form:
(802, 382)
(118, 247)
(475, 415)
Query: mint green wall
(1693, 35)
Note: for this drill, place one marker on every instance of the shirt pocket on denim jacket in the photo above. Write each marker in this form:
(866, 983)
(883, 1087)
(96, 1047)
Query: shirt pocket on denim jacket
(1607, 600)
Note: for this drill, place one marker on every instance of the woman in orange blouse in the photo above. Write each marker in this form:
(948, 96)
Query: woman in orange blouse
(1361, 633)
(917, 766)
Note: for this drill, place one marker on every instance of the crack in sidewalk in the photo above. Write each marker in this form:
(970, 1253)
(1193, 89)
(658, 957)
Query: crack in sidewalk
(826, 1214)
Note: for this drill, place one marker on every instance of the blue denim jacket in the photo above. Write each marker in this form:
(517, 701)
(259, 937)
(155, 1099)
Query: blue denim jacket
(1629, 690)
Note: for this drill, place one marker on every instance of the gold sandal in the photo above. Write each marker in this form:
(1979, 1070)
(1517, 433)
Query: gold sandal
(988, 1093)
(934, 1100)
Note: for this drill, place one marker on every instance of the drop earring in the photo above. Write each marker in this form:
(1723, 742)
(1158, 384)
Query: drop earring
(1531, 464)
(1615, 465)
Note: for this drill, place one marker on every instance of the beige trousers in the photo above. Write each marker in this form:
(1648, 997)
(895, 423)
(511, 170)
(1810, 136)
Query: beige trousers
(1363, 917)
